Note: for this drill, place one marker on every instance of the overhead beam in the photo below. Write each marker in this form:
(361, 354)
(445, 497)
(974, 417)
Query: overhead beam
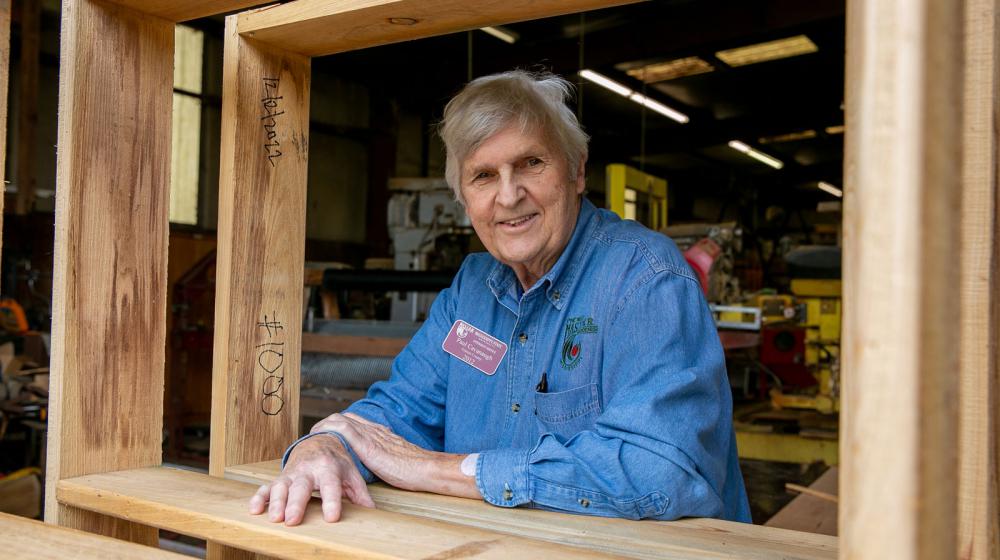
(320, 27)
(901, 342)
(183, 10)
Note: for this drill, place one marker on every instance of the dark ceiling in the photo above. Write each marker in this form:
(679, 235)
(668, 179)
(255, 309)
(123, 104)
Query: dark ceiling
(747, 103)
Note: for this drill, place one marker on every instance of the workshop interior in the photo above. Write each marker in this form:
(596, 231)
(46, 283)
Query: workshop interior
(715, 122)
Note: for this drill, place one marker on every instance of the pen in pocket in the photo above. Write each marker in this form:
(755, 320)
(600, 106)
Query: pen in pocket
(543, 385)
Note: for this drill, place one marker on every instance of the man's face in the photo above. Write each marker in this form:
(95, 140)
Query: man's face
(521, 201)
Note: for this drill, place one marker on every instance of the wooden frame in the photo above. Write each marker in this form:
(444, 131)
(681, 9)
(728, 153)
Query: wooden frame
(913, 194)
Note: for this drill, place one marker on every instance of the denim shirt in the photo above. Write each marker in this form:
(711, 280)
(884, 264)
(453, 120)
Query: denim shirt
(636, 418)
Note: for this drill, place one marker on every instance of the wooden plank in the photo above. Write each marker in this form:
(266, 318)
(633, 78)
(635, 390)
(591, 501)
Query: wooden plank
(216, 509)
(183, 10)
(685, 539)
(979, 291)
(27, 538)
(27, 116)
(4, 81)
(110, 263)
(353, 345)
(901, 321)
(810, 513)
(261, 252)
(321, 27)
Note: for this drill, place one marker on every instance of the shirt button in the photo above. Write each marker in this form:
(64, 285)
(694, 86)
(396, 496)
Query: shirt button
(508, 495)
(584, 502)
(523, 338)
(515, 408)
(555, 295)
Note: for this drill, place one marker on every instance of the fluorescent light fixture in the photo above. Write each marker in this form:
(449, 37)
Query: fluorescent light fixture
(637, 97)
(790, 137)
(823, 185)
(606, 82)
(502, 33)
(839, 129)
(671, 69)
(771, 50)
(759, 156)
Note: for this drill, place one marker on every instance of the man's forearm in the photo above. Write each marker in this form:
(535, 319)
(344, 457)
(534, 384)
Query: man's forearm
(443, 474)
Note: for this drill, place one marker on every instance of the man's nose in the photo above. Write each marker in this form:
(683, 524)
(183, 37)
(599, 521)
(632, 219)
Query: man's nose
(511, 190)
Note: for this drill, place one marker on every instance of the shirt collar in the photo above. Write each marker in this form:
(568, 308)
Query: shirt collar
(560, 279)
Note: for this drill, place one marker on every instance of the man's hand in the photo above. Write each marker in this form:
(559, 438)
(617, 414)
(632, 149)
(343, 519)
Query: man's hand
(399, 462)
(319, 463)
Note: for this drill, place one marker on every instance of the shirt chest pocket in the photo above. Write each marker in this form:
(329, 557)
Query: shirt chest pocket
(567, 413)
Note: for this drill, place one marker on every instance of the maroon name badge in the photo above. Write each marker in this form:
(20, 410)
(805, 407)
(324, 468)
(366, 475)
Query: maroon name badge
(474, 347)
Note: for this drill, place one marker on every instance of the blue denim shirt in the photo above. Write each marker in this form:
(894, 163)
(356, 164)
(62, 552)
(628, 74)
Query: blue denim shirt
(636, 421)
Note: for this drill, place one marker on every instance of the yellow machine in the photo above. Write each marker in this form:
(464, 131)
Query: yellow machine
(635, 195)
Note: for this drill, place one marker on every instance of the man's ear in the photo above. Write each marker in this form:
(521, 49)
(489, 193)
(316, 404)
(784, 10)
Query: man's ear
(581, 176)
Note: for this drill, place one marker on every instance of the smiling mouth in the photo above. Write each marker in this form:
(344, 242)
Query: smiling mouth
(517, 222)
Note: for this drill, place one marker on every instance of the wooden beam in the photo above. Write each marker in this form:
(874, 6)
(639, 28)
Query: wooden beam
(4, 81)
(979, 291)
(27, 117)
(680, 540)
(261, 252)
(321, 27)
(183, 10)
(110, 263)
(27, 538)
(901, 329)
(216, 509)
(353, 345)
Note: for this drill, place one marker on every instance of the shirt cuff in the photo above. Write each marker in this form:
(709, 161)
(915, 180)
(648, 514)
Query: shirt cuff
(365, 473)
(502, 477)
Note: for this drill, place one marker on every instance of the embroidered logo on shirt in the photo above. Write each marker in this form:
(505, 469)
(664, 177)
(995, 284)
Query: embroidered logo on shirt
(571, 352)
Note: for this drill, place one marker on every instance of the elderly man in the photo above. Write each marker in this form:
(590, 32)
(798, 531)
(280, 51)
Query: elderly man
(575, 367)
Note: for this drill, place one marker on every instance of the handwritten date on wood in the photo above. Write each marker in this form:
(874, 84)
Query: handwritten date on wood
(272, 110)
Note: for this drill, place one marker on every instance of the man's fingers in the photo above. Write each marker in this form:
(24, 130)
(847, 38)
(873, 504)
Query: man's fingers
(298, 499)
(259, 500)
(357, 490)
(331, 494)
(279, 494)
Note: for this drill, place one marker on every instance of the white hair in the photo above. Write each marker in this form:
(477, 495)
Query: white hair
(488, 105)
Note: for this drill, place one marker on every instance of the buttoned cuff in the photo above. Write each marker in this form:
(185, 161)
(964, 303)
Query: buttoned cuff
(365, 473)
(502, 477)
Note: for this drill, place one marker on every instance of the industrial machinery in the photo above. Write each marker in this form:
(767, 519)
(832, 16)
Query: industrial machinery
(635, 195)
(429, 232)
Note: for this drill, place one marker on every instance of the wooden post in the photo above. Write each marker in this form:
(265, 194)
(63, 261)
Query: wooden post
(261, 254)
(978, 489)
(27, 121)
(109, 297)
(901, 330)
(4, 81)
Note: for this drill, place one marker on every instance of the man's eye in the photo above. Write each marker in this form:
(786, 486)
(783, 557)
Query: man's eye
(533, 162)
(482, 175)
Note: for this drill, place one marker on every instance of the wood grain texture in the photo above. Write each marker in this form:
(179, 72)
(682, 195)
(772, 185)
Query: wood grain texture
(811, 513)
(261, 252)
(685, 539)
(978, 498)
(899, 420)
(216, 509)
(26, 538)
(183, 10)
(321, 27)
(353, 345)
(109, 310)
(4, 82)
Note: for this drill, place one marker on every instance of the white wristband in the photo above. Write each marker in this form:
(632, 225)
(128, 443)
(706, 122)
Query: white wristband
(469, 464)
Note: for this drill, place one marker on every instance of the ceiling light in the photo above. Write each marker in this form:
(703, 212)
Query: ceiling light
(823, 185)
(639, 98)
(671, 69)
(502, 33)
(839, 129)
(790, 137)
(759, 156)
(771, 50)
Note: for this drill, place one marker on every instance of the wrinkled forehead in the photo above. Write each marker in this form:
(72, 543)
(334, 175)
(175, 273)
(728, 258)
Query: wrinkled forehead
(524, 139)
